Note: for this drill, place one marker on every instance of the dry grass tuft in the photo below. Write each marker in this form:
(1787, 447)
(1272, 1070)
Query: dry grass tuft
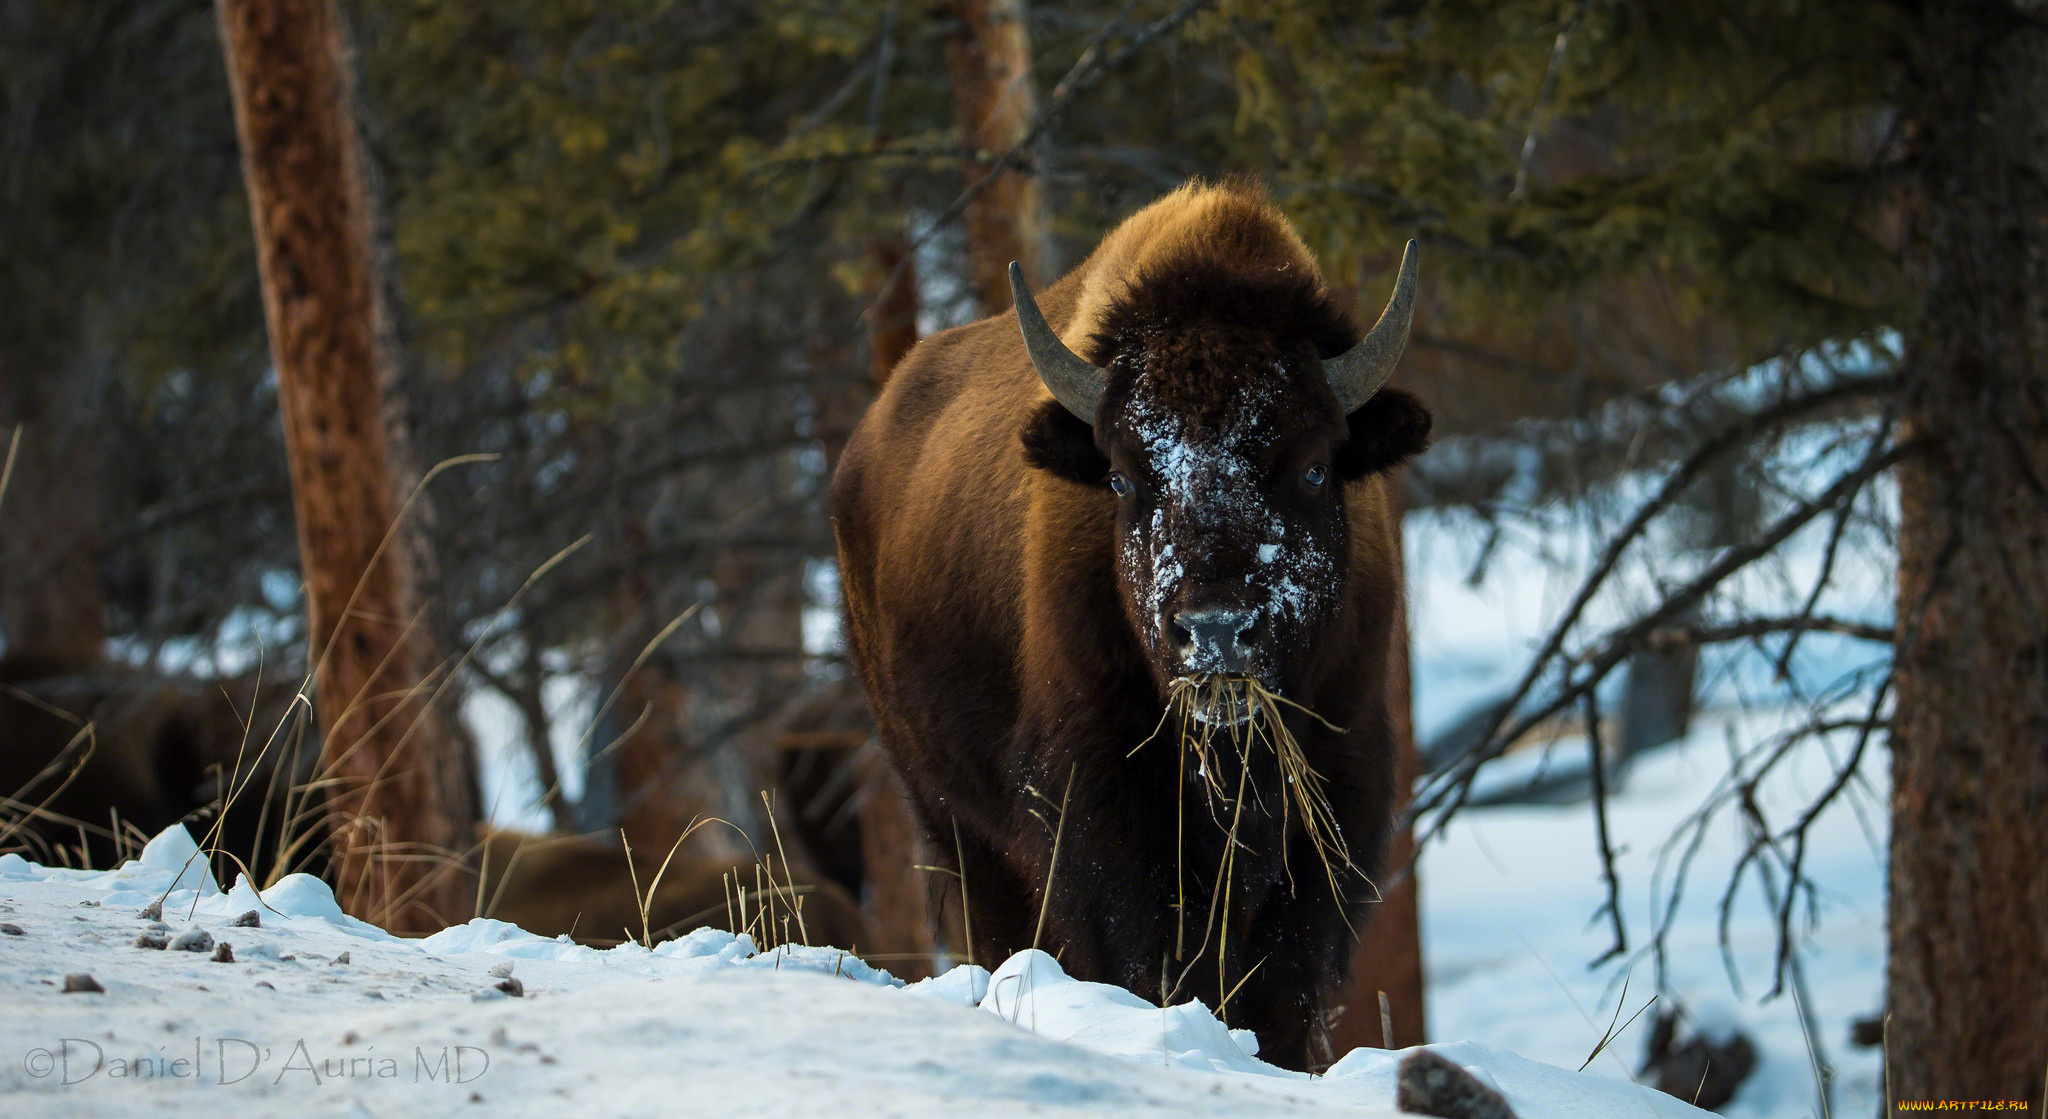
(1237, 712)
(1211, 714)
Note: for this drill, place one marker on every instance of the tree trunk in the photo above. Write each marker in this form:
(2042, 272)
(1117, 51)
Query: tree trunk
(892, 328)
(530, 694)
(989, 58)
(1967, 973)
(398, 803)
(1389, 956)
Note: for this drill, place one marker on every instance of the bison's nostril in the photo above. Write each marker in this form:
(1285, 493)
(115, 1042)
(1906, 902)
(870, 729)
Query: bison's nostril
(1214, 640)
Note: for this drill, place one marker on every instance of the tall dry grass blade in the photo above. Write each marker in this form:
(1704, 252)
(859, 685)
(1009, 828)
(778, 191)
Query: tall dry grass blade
(966, 910)
(1222, 1007)
(448, 674)
(645, 900)
(635, 876)
(647, 650)
(1052, 865)
(788, 876)
(1612, 1032)
(7, 469)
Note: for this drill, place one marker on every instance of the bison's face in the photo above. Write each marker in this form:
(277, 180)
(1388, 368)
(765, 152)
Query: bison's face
(1222, 438)
(1231, 535)
(1227, 472)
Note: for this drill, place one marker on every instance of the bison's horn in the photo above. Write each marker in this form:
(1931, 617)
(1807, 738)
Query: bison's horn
(1073, 381)
(1362, 370)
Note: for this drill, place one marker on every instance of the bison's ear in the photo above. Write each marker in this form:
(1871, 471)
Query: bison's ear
(1055, 441)
(1385, 430)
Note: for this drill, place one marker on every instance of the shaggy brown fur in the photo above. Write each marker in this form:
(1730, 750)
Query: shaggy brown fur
(1015, 620)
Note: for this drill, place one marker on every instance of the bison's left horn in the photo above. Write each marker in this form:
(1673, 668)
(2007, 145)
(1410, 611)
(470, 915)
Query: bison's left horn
(1073, 381)
(1362, 370)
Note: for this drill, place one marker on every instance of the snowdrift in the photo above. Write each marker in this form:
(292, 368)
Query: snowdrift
(310, 1011)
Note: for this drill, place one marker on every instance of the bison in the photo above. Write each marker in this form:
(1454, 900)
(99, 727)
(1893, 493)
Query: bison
(1164, 477)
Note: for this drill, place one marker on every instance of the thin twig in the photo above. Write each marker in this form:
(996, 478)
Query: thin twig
(1598, 761)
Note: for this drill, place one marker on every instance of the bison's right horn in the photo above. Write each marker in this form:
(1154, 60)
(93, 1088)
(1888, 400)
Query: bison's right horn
(1074, 382)
(1359, 372)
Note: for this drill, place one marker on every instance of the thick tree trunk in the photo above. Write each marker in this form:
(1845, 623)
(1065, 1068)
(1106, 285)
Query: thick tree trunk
(892, 327)
(1968, 969)
(989, 58)
(398, 801)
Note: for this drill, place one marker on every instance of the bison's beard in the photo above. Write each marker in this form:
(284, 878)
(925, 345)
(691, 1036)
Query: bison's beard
(1234, 735)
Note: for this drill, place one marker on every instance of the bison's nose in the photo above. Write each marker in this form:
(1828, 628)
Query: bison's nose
(1214, 639)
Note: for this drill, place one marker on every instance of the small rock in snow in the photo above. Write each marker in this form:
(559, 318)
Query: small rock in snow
(248, 920)
(266, 983)
(512, 987)
(194, 939)
(225, 954)
(341, 959)
(79, 982)
(10, 929)
(488, 994)
(154, 911)
(152, 940)
(1432, 1085)
(89, 904)
(502, 971)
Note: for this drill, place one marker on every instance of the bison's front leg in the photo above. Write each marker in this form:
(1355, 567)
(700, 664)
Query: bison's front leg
(1301, 944)
(1100, 900)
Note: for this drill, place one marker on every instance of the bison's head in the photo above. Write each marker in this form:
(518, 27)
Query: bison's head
(1225, 416)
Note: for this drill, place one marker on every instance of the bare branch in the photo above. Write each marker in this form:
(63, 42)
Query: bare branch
(1667, 638)
(1598, 761)
(1450, 790)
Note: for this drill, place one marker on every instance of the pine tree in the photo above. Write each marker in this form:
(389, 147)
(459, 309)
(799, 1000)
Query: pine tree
(399, 810)
(1968, 965)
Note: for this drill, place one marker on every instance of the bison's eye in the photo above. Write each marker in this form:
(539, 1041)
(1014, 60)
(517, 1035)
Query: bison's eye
(1315, 475)
(1119, 484)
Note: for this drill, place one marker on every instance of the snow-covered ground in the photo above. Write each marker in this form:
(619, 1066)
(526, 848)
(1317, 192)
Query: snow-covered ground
(319, 1014)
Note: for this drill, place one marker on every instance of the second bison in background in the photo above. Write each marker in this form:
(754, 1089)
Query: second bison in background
(1163, 482)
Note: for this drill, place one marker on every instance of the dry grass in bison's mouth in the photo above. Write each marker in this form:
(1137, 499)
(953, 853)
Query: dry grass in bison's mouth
(1213, 712)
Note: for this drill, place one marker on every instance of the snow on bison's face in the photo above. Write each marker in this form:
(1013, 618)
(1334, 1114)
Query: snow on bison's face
(1226, 436)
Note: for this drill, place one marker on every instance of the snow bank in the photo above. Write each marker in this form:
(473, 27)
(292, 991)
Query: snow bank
(314, 1009)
